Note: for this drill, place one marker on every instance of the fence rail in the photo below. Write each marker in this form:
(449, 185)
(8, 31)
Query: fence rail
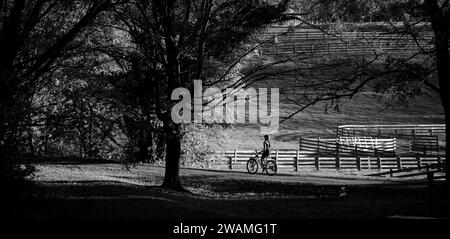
(425, 144)
(313, 34)
(390, 130)
(314, 41)
(349, 146)
(298, 160)
(411, 172)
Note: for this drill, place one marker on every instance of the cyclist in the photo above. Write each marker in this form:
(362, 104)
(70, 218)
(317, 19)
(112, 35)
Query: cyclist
(266, 149)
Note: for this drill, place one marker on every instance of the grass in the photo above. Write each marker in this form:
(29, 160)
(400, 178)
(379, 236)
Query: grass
(366, 107)
(112, 191)
(314, 122)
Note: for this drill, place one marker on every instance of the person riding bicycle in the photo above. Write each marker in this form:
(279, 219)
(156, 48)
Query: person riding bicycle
(266, 149)
(269, 166)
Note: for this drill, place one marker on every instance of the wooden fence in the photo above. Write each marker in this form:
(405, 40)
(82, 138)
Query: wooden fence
(348, 146)
(427, 139)
(295, 160)
(390, 130)
(368, 37)
(425, 144)
(417, 171)
(313, 41)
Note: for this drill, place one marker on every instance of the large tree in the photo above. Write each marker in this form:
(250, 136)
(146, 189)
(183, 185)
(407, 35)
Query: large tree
(176, 38)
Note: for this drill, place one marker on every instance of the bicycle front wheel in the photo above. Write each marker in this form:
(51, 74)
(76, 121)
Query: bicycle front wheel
(271, 168)
(252, 166)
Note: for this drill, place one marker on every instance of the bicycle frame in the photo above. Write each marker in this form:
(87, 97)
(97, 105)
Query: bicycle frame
(259, 161)
(262, 162)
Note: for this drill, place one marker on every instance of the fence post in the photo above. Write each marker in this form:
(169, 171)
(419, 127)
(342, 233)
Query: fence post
(378, 159)
(419, 162)
(379, 163)
(231, 163)
(294, 50)
(317, 162)
(235, 158)
(430, 180)
(318, 145)
(399, 163)
(358, 163)
(318, 155)
(338, 159)
(296, 160)
(276, 157)
(358, 159)
(300, 144)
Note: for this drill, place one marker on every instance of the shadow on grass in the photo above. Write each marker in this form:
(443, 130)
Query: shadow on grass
(112, 200)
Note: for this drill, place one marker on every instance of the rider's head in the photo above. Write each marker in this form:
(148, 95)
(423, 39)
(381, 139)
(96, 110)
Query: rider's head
(266, 137)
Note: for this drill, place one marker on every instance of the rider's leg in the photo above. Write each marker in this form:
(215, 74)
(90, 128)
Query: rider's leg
(263, 161)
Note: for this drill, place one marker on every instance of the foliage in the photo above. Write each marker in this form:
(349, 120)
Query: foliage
(201, 144)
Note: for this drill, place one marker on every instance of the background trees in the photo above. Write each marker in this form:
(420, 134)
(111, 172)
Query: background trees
(36, 38)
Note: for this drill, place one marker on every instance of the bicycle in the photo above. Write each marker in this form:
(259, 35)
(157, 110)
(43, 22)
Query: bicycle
(270, 166)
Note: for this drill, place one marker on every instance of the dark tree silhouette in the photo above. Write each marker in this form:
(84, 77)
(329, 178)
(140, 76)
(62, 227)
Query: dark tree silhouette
(179, 36)
(34, 36)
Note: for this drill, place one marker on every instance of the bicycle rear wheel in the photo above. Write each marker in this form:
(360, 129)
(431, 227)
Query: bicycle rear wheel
(271, 167)
(252, 166)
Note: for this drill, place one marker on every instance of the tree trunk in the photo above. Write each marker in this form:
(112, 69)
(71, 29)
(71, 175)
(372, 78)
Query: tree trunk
(143, 149)
(172, 137)
(443, 65)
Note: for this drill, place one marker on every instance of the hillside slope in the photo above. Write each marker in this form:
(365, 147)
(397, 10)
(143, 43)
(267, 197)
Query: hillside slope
(366, 107)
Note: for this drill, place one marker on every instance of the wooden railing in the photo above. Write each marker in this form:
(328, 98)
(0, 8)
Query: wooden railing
(425, 144)
(295, 160)
(413, 172)
(390, 130)
(348, 146)
(312, 34)
(313, 41)
(336, 48)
